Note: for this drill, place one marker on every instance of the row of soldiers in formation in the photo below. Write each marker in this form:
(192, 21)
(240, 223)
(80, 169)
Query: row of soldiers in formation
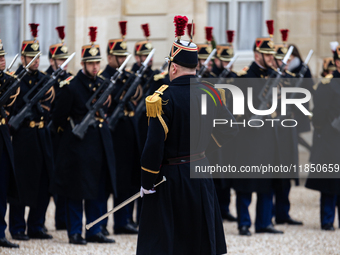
(40, 160)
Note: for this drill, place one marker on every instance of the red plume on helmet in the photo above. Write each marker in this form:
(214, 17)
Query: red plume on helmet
(284, 34)
(122, 25)
(34, 29)
(270, 26)
(93, 34)
(180, 24)
(146, 30)
(208, 33)
(191, 27)
(61, 32)
(230, 36)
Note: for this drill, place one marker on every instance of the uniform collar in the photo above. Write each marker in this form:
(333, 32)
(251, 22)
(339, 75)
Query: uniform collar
(182, 80)
(29, 73)
(259, 72)
(90, 84)
(49, 70)
(111, 71)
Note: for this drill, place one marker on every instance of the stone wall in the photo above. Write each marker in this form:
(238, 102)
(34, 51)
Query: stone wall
(106, 14)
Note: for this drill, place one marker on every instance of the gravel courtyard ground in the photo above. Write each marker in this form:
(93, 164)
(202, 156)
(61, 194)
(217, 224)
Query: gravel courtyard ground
(308, 239)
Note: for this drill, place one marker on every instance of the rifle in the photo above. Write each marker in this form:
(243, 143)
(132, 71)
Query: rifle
(146, 91)
(13, 87)
(26, 111)
(80, 129)
(118, 112)
(298, 84)
(265, 100)
(226, 71)
(205, 64)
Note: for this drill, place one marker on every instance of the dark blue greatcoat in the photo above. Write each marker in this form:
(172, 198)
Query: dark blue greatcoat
(32, 146)
(125, 141)
(183, 216)
(6, 145)
(80, 163)
(254, 146)
(304, 122)
(326, 139)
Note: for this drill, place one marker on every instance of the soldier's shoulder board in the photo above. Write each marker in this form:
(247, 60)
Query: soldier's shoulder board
(290, 73)
(160, 76)
(243, 71)
(10, 73)
(101, 77)
(66, 81)
(43, 72)
(100, 72)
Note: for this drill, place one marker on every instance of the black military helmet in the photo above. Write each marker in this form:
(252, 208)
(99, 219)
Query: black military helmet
(31, 48)
(91, 52)
(144, 47)
(205, 49)
(118, 47)
(226, 52)
(59, 50)
(182, 52)
(266, 44)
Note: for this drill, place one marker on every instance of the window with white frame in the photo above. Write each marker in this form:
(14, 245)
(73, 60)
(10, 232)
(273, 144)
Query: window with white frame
(246, 17)
(15, 15)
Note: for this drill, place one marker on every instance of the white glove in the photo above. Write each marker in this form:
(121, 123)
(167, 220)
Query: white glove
(145, 191)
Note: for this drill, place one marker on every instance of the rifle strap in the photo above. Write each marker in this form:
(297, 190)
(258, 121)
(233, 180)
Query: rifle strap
(154, 105)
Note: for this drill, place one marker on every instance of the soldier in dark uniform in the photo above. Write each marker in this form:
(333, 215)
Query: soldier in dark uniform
(154, 78)
(204, 51)
(326, 143)
(295, 65)
(8, 186)
(84, 168)
(124, 138)
(224, 54)
(182, 216)
(255, 147)
(32, 152)
(58, 53)
(328, 66)
(288, 145)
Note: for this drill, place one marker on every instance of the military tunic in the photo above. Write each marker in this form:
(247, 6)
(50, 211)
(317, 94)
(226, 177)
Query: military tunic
(32, 146)
(326, 139)
(183, 216)
(80, 163)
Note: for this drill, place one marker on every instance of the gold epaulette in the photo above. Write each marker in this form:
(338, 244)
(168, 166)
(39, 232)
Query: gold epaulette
(43, 72)
(243, 71)
(327, 79)
(64, 82)
(100, 72)
(290, 73)
(160, 76)
(154, 107)
(223, 98)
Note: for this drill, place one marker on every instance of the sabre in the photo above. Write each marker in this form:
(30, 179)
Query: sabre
(12, 63)
(129, 200)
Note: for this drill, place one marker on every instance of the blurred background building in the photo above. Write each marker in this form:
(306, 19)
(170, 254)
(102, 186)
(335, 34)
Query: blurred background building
(312, 24)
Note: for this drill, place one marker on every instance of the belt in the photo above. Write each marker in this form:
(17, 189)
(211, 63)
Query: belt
(2, 121)
(185, 159)
(33, 124)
